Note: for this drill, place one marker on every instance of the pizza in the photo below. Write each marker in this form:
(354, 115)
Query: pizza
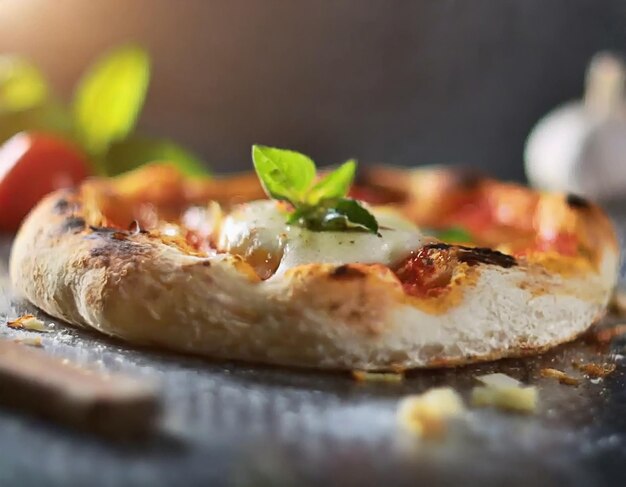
(404, 268)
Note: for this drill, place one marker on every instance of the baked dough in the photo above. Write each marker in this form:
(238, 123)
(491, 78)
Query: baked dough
(74, 259)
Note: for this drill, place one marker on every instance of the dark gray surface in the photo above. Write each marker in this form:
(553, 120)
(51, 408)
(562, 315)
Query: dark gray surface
(242, 425)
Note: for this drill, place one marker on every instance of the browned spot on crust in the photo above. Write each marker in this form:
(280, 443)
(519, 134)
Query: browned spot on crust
(61, 206)
(113, 245)
(102, 230)
(577, 202)
(476, 255)
(122, 248)
(347, 271)
(482, 255)
(113, 233)
(65, 204)
(73, 224)
(466, 178)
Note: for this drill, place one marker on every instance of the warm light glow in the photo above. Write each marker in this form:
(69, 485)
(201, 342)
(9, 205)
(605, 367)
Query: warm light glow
(14, 12)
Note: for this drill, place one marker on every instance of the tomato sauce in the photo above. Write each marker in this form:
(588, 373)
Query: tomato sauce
(475, 216)
(426, 273)
(563, 243)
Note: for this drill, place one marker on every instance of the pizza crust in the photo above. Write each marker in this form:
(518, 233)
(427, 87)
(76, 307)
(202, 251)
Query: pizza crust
(146, 291)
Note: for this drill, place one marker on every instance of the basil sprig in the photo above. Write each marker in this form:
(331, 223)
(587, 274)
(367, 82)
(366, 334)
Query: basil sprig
(454, 234)
(320, 206)
(104, 112)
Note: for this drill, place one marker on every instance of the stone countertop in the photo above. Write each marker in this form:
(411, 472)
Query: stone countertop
(237, 424)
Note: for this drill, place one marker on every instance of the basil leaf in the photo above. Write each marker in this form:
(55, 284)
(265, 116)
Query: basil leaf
(284, 174)
(135, 151)
(454, 234)
(335, 184)
(336, 221)
(319, 218)
(51, 117)
(109, 98)
(299, 215)
(288, 175)
(356, 214)
(22, 86)
(334, 215)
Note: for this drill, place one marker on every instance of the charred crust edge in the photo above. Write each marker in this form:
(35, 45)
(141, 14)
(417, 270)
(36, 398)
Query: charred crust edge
(438, 246)
(346, 271)
(66, 203)
(477, 255)
(482, 255)
(73, 224)
(102, 230)
(61, 206)
(111, 249)
(577, 202)
(466, 178)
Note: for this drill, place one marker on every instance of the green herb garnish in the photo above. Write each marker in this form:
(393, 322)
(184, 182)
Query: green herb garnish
(109, 98)
(22, 86)
(323, 206)
(136, 150)
(104, 112)
(454, 234)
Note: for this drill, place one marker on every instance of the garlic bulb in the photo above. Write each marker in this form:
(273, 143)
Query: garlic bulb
(580, 147)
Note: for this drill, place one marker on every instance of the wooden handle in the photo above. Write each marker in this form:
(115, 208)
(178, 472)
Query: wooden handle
(34, 382)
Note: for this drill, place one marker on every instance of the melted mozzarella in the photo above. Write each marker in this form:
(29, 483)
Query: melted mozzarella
(258, 230)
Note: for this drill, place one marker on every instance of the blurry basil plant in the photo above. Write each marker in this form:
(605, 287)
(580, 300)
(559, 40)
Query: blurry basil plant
(106, 105)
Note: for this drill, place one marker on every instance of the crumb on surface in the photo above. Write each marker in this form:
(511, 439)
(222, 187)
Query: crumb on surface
(517, 399)
(596, 371)
(27, 322)
(498, 380)
(561, 376)
(30, 341)
(425, 415)
(363, 376)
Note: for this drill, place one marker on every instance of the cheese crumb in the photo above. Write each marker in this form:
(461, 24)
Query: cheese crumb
(518, 399)
(28, 322)
(362, 376)
(562, 377)
(498, 380)
(30, 341)
(596, 371)
(425, 414)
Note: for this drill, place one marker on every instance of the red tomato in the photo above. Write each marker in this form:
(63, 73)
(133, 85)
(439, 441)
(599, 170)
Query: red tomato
(32, 165)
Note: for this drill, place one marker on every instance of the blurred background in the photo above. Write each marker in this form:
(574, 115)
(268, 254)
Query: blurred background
(408, 83)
